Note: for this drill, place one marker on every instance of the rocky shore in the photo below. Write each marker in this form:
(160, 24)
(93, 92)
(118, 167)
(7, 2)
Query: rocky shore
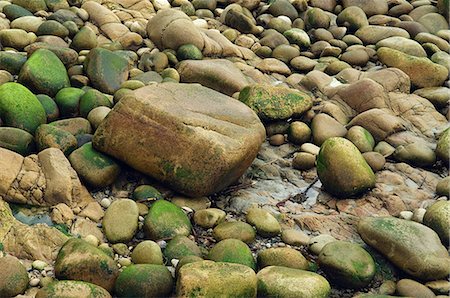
(224, 148)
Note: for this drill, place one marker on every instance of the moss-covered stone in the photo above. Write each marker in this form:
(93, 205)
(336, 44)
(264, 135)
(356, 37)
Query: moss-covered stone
(144, 280)
(17, 140)
(12, 62)
(443, 146)
(96, 168)
(92, 99)
(210, 217)
(181, 246)
(43, 72)
(236, 230)
(361, 138)
(189, 52)
(347, 264)
(146, 192)
(120, 222)
(85, 39)
(275, 103)
(76, 126)
(232, 251)
(276, 281)
(48, 136)
(186, 260)
(211, 279)
(72, 289)
(166, 220)
(14, 11)
(342, 169)
(20, 108)
(50, 107)
(147, 252)
(79, 260)
(437, 217)
(265, 223)
(13, 277)
(68, 101)
(282, 256)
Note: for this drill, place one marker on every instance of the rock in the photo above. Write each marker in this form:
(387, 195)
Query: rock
(53, 28)
(434, 22)
(144, 192)
(96, 168)
(43, 72)
(352, 17)
(72, 288)
(410, 288)
(32, 6)
(68, 101)
(304, 161)
(358, 57)
(180, 247)
(85, 39)
(189, 52)
(209, 218)
(144, 280)
(443, 187)
(166, 220)
(361, 138)
(404, 45)
(282, 256)
(235, 230)
(236, 17)
(97, 115)
(438, 96)
(283, 8)
(316, 244)
(437, 217)
(17, 140)
(195, 204)
(106, 70)
(211, 279)
(317, 18)
(78, 260)
(13, 11)
(415, 154)
(412, 247)
(271, 65)
(20, 108)
(439, 286)
(372, 34)
(347, 264)
(12, 62)
(218, 74)
(16, 38)
(75, 126)
(422, 72)
(324, 127)
(265, 223)
(232, 251)
(298, 37)
(159, 150)
(443, 146)
(91, 100)
(275, 103)
(294, 237)
(13, 277)
(48, 136)
(375, 160)
(120, 222)
(299, 132)
(338, 156)
(276, 281)
(147, 252)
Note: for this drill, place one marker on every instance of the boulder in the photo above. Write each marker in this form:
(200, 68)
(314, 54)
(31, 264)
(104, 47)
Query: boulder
(72, 289)
(437, 217)
(13, 277)
(184, 137)
(121, 220)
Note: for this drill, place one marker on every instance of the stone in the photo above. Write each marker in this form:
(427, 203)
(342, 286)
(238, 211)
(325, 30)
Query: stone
(209, 218)
(180, 247)
(195, 204)
(78, 260)
(85, 39)
(68, 101)
(277, 281)
(275, 103)
(147, 252)
(422, 72)
(437, 217)
(232, 251)
(13, 11)
(144, 280)
(12, 62)
(265, 223)
(438, 96)
(91, 100)
(316, 244)
(145, 192)
(234, 230)
(414, 248)
(218, 74)
(347, 264)
(404, 45)
(357, 57)
(20, 108)
(94, 167)
(75, 126)
(237, 18)
(72, 288)
(43, 72)
(443, 187)
(48, 136)
(299, 132)
(97, 115)
(410, 288)
(361, 138)
(120, 222)
(53, 28)
(304, 161)
(13, 277)
(317, 18)
(443, 146)
(372, 34)
(177, 113)
(352, 17)
(434, 22)
(16, 38)
(369, 7)
(106, 70)
(189, 52)
(375, 160)
(294, 237)
(282, 256)
(213, 279)
(342, 169)
(166, 220)
(17, 140)
(415, 154)
(298, 37)
(324, 127)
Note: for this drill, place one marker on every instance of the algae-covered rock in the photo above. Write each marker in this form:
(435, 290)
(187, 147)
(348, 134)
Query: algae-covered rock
(121, 220)
(147, 252)
(437, 217)
(17, 140)
(236, 230)
(282, 256)
(232, 251)
(181, 246)
(48, 136)
(13, 277)
(443, 146)
(72, 289)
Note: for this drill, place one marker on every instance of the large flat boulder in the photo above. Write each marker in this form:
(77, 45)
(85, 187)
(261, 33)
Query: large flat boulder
(195, 139)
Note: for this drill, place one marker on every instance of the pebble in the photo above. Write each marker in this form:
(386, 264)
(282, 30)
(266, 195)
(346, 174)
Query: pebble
(408, 215)
(34, 282)
(91, 239)
(317, 243)
(39, 265)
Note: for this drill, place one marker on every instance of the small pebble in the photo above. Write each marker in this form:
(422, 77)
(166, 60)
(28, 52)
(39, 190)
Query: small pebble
(91, 239)
(105, 202)
(34, 282)
(418, 215)
(406, 215)
(39, 265)
(124, 262)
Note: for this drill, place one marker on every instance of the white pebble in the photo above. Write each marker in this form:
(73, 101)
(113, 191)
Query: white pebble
(172, 270)
(162, 244)
(39, 265)
(174, 262)
(34, 282)
(406, 215)
(286, 19)
(105, 202)
(200, 23)
(418, 215)
(91, 239)
(141, 218)
(124, 262)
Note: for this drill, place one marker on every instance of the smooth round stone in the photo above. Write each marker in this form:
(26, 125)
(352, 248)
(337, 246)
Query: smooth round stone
(443, 146)
(181, 246)
(438, 96)
(324, 127)
(50, 107)
(361, 138)
(411, 288)
(439, 286)
(282, 256)
(17, 140)
(68, 101)
(120, 222)
(277, 140)
(75, 126)
(48, 136)
(437, 217)
(407, 215)
(265, 223)
(317, 243)
(16, 38)
(144, 280)
(418, 214)
(415, 154)
(52, 28)
(375, 160)
(97, 115)
(189, 52)
(236, 229)
(317, 18)
(71, 288)
(347, 264)
(186, 260)
(27, 23)
(85, 39)
(294, 237)
(302, 63)
(13, 277)
(357, 57)
(285, 53)
(121, 249)
(147, 252)
(195, 204)
(208, 218)
(105, 202)
(232, 251)
(299, 132)
(146, 192)
(91, 100)
(298, 37)
(384, 148)
(91, 239)
(13, 11)
(352, 17)
(304, 161)
(310, 148)
(277, 281)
